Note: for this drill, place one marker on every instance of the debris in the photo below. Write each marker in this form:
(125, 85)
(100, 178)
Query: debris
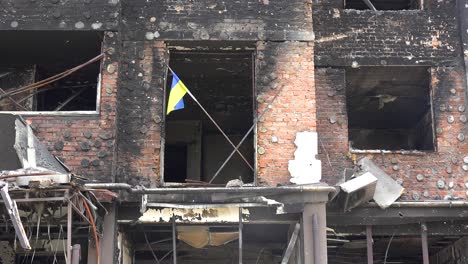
(387, 190)
(357, 191)
(14, 216)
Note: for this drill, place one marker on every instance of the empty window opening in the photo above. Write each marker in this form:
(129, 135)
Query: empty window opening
(29, 57)
(383, 4)
(222, 83)
(389, 108)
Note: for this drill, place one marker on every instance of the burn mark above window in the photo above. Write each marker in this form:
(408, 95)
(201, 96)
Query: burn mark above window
(382, 4)
(29, 57)
(389, 108)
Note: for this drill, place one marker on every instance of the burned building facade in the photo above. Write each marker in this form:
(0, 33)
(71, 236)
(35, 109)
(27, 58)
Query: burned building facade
(319, 131)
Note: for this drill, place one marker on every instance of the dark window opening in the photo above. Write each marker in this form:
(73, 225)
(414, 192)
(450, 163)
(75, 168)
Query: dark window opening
(383, 4)
(389, 108)
(222, 83)
(172, 164)
(29, 57)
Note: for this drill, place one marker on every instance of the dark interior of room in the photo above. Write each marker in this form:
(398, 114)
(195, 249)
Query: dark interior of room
(262, 243)
(32, 56)
(222, 83)
(383, 4)
(389, 108)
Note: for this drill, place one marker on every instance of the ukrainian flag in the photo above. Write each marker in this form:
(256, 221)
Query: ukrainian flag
(176, 95)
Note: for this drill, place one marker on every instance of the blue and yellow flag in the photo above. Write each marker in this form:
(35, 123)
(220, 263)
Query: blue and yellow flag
(176, 95)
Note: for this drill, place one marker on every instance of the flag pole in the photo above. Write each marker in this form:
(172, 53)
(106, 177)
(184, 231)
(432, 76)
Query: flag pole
(216, 124)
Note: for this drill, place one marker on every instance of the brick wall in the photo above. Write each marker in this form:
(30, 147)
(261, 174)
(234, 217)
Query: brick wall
(435, 175)
(417, 37)
(86, 143)
(289, 65)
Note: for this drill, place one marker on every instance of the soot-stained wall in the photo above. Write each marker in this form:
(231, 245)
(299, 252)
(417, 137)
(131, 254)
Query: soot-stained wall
(412, 37)
(59, 14)
(140, 115)
(217, 20)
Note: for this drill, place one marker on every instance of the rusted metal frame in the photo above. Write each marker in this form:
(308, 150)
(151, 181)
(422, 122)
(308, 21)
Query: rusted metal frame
(216, 125)
(240, 236)
(247, 134)
(62, 105)
(13, 100)
(34, 200)
(370, 5)
(370, 253)
(174, 242)
(424, 244)
(291, 244)
(15, 217)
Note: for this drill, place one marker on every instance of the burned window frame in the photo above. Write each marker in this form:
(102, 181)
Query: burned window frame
(99, 78)
(431, 113)
(196, 46)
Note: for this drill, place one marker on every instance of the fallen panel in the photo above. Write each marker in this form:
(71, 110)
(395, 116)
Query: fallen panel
(21, 150)
(387, 190)
(357, 191)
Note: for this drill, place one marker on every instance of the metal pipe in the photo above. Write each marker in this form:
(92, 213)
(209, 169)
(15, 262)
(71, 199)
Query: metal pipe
(370, 253)
(425, 204)
(240, 235)
(192, 190)
(315, 237)
(69, 233)
(76, 254)
(425, 250)
(174, 242)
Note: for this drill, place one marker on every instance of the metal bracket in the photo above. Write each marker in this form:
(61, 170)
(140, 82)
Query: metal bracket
(144, 203)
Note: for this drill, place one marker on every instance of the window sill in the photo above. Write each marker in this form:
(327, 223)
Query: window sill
(382, 151)
(51, 113)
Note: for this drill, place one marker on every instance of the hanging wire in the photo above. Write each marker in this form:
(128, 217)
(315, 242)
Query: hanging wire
(51, 79)
(388, 247)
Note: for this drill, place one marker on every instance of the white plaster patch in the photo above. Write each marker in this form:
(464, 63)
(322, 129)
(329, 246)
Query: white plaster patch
(305, 168)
